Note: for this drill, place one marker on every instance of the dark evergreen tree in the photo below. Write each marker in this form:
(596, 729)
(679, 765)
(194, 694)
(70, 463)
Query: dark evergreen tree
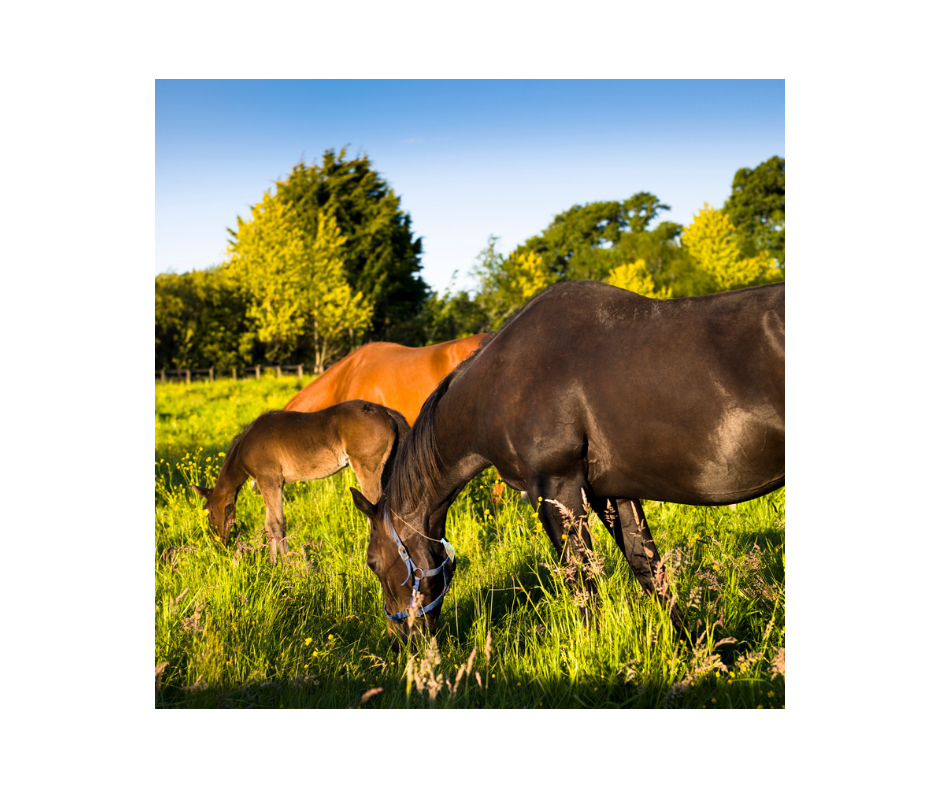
(757, 207)
(382, 256)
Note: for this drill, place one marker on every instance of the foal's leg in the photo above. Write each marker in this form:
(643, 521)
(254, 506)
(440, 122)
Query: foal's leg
(274, 525)
(568, 532)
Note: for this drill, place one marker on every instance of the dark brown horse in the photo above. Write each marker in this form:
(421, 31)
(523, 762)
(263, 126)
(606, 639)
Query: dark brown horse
(282, 446)
(393, 375)
(596, 389)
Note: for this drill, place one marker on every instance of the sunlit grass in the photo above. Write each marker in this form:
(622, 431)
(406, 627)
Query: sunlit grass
(233, 631)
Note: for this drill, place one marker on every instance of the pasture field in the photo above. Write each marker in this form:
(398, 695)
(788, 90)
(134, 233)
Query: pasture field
(232, 631)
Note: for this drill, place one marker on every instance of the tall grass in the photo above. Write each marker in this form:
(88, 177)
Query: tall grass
(233, 631)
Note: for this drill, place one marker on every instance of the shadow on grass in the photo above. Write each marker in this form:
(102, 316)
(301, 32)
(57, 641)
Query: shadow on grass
(499, 690)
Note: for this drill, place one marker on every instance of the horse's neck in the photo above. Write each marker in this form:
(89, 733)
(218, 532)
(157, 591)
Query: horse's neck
(232, 476)
(437, 491)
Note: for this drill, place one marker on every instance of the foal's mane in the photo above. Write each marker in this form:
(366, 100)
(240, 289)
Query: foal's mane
(236, 441)
(418, 464)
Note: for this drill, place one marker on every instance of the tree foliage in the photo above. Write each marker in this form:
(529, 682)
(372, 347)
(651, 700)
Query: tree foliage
(506, 283)
(200, 321)
(597, 241)
(578, 242)
(296, 283)
(336, 313)
(636, 277)
(711, 239)
(757, 208)
(452, 315)
(382, 258)
(329, 260)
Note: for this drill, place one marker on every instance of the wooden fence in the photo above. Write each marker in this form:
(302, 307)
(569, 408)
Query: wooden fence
(189, 375)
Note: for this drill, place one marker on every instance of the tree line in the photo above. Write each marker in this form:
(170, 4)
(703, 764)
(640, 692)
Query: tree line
(329, 261)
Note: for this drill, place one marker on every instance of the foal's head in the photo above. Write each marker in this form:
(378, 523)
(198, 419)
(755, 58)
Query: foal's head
(392, 569)
(221, 511)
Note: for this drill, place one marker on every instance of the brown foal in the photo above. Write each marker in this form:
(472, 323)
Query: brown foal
(286, 446)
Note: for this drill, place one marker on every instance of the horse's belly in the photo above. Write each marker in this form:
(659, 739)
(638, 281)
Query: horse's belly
(317, 467)
(740, 458)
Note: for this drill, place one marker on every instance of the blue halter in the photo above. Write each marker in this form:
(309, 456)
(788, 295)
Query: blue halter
(415, 574)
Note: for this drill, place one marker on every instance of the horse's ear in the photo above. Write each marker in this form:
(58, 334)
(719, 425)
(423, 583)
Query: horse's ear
(202, 491)
(362, 503)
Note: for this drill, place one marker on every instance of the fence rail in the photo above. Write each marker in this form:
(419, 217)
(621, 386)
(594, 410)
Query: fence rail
(189, 375)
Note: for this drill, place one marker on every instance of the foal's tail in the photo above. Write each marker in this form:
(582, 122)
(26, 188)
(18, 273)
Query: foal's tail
(400, 428)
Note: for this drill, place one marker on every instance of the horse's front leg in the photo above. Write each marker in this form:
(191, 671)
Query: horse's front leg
(274, 526)
(564, 518)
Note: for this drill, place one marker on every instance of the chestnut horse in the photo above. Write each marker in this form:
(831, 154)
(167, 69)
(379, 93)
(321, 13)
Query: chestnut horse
(393, 375)
(282, 446)
(590, 396)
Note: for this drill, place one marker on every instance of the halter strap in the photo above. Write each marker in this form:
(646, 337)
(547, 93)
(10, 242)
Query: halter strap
(415, 577)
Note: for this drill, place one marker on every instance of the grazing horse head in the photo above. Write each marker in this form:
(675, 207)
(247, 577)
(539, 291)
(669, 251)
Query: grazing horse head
(414, 570)
(221, 509)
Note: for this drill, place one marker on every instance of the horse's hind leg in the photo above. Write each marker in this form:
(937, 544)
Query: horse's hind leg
(274, 525)
(631, 532)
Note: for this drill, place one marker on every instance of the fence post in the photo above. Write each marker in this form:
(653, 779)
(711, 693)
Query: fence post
(163, 375)
(234, 373)
(258, 372)
(189, 378)
(211, 374)
(278, 370)
(300, 370)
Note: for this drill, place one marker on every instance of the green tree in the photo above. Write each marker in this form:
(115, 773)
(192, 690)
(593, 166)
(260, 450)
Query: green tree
(200, 320)
(452, 315)
(711, 239)
(268, 258)
(336, 313)
(381, 257)
(578, 242)
(507, 283)
(757, 208)
(636, 277)
(296, 285)
(589, 241)
(670, 266)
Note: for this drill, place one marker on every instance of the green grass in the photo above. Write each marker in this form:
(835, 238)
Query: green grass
(236, 632)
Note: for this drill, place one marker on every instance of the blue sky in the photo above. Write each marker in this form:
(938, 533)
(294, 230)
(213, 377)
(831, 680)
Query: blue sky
(468, 158)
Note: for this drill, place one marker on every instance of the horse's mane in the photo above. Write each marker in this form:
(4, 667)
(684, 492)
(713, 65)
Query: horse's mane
(419, 458)
(401, 429)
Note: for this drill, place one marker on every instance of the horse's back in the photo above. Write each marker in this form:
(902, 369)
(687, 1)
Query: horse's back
(679, 400)
(386, 373)
(301, 446)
